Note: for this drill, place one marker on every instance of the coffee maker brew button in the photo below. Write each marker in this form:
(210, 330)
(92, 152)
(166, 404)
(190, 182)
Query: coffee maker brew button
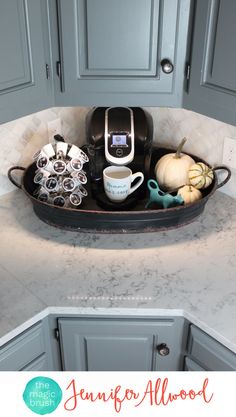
(119, 152)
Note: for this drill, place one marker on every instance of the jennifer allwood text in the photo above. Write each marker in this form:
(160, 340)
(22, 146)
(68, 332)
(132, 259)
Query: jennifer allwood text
(155, 393)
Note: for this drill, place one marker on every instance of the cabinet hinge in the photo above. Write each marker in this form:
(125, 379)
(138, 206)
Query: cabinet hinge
(56, 334)
(58, 68)
(47, 71)
(188, 71)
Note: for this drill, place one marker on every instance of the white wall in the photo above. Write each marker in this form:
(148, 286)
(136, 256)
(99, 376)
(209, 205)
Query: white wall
(21, 138)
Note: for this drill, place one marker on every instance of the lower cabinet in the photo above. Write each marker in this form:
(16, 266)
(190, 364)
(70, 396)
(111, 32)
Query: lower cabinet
(112, 343)
(190, 365)
(206, 354)
(27, 352)
(109, 344)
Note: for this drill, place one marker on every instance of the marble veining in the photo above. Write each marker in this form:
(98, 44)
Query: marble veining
(190, 269)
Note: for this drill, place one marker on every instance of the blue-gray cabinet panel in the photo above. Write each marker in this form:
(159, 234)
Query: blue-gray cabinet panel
(212, 86)
(120, 344)
(192, 366)
(111, 32)
(111, 51)
(16, 66)
(21, 351)
(31, 350)
(209, 353)
(24, 52)
(38, 364)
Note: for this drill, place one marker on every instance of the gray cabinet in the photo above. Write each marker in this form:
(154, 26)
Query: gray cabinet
(192, 366)
(25, 58)
(111, 52)
(110, 344)
(212, 84)
(205, 353)
(27, 352)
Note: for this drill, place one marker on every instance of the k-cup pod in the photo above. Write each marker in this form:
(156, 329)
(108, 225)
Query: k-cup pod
(39, 154)
(59, 201)
(79, 177)
(41, 176)
(61, 149)
(48, 150)
(51, 184)
(75, 199)
(43, 162)
(68, 184)
(81, 190)
(83, 156)
(44, 196)
(74, 152)
(59, 167)
(74, 164)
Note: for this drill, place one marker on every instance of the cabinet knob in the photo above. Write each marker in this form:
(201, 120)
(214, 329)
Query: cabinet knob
(163, 349)
(167, 66)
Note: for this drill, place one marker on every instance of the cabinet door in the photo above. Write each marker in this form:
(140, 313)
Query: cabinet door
(212, 86)
(111, 51)
(119, 345)
(209, 353)
(24, 87)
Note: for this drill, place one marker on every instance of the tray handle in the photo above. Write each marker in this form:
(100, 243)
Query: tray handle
(223, 167)
(9, 174)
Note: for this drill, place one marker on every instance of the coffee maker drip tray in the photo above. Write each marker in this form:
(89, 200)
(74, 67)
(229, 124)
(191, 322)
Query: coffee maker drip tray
(106, 204)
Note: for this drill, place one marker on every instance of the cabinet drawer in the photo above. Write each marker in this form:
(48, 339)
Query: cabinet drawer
(209, 353)
(16, 354)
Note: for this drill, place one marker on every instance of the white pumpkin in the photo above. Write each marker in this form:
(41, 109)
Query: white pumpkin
(189, 194)
(200, 175)
(172, 169)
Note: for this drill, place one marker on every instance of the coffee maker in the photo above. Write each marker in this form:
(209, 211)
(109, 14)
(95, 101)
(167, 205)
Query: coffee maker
(118, 136)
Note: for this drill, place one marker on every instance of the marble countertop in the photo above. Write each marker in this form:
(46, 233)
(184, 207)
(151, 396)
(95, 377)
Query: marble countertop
(190, 270)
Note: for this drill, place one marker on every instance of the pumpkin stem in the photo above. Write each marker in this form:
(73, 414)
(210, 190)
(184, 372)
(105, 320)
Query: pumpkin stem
(180, 147)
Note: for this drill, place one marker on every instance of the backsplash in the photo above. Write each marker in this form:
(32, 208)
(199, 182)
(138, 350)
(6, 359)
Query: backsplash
(21, 138)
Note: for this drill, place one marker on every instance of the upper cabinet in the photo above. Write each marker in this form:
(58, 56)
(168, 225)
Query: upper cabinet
(118, 53)
(121, 52)
(212, 84)
(25, 58)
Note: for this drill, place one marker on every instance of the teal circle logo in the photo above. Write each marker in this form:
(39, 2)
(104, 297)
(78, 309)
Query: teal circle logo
(42, 395)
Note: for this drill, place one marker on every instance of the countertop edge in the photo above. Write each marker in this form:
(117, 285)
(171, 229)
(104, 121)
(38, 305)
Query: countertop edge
(131, 312)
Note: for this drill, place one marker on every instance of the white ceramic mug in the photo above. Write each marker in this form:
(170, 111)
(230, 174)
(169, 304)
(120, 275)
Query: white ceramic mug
(117, 182)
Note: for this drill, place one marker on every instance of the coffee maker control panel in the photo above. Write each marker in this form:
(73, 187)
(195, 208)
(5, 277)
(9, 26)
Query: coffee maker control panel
(119, 136)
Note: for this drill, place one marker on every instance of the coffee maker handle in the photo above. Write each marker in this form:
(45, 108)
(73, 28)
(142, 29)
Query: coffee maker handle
(133, 177)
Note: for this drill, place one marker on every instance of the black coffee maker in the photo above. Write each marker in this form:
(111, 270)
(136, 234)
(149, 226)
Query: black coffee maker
(118, 136)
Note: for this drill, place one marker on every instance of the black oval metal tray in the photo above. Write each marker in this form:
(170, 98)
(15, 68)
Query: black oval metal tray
(91, 218)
